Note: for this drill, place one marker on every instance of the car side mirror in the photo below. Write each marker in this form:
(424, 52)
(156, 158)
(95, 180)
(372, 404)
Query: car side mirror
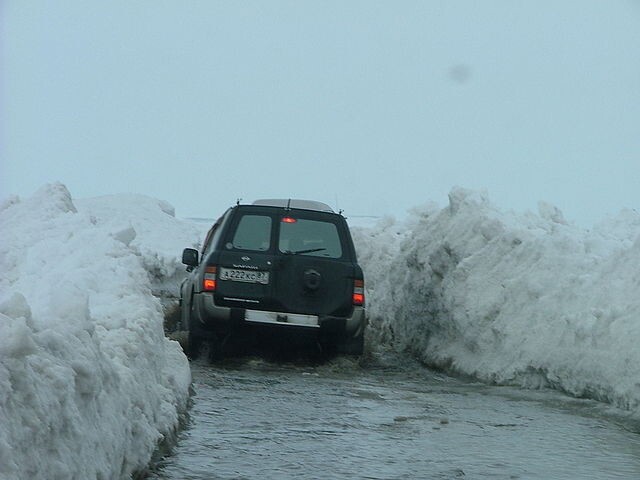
(190, 257)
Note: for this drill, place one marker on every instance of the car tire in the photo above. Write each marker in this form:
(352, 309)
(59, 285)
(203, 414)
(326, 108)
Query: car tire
(216, 349)
(352, 346)
(194, 336)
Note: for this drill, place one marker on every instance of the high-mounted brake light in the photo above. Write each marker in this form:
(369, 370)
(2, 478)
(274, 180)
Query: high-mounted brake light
(209, 279)
(288, 220)
(358, 292)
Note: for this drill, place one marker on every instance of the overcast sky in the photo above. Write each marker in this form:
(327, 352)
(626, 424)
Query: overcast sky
(373, 106)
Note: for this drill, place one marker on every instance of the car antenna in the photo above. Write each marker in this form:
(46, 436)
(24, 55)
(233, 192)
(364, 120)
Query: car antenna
(238, 201)
(288, 205)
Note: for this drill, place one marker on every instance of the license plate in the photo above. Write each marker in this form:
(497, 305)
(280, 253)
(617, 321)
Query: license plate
(248, 276)
(275, 318)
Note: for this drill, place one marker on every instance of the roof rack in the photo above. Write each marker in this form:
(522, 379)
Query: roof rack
(294, 203)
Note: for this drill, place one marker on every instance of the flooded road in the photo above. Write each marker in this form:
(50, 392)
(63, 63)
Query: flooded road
(388, 419)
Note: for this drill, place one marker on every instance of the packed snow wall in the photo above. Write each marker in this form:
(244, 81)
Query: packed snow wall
(513, 299)
(88, 382)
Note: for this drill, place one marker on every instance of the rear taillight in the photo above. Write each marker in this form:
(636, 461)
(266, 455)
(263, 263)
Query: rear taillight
(358, 292)
(209, 280)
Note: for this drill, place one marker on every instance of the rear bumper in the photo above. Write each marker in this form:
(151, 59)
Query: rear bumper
(225, 319)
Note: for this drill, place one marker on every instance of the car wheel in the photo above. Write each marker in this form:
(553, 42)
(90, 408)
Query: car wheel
(216, 349)
(352, 346)
(195, 334)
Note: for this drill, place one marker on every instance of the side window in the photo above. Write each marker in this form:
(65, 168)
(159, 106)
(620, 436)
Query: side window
(253, 233)
(208, 241)
(310, 237)
(213, 234)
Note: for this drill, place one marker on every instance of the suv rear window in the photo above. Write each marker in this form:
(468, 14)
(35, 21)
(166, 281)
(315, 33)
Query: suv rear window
(253, 233)
(310, 237)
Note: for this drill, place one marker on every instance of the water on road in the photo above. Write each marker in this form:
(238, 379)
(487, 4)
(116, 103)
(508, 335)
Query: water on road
(388, 419)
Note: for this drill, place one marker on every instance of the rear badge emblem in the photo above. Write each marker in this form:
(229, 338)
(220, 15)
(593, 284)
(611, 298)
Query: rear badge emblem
(246, 259)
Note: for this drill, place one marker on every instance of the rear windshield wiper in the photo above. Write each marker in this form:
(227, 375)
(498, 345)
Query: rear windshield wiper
(302, 252)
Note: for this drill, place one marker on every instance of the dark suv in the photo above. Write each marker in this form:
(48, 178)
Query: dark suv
(275, 267)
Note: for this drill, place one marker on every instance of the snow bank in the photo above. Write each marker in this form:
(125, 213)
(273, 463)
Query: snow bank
(88, 382)
(525, 299)
(150, 228)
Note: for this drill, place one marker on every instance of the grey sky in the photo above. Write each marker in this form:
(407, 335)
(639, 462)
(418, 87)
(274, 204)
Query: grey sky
(378, 106)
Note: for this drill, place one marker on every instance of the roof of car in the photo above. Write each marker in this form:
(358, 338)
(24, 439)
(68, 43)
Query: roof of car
(294, 203)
